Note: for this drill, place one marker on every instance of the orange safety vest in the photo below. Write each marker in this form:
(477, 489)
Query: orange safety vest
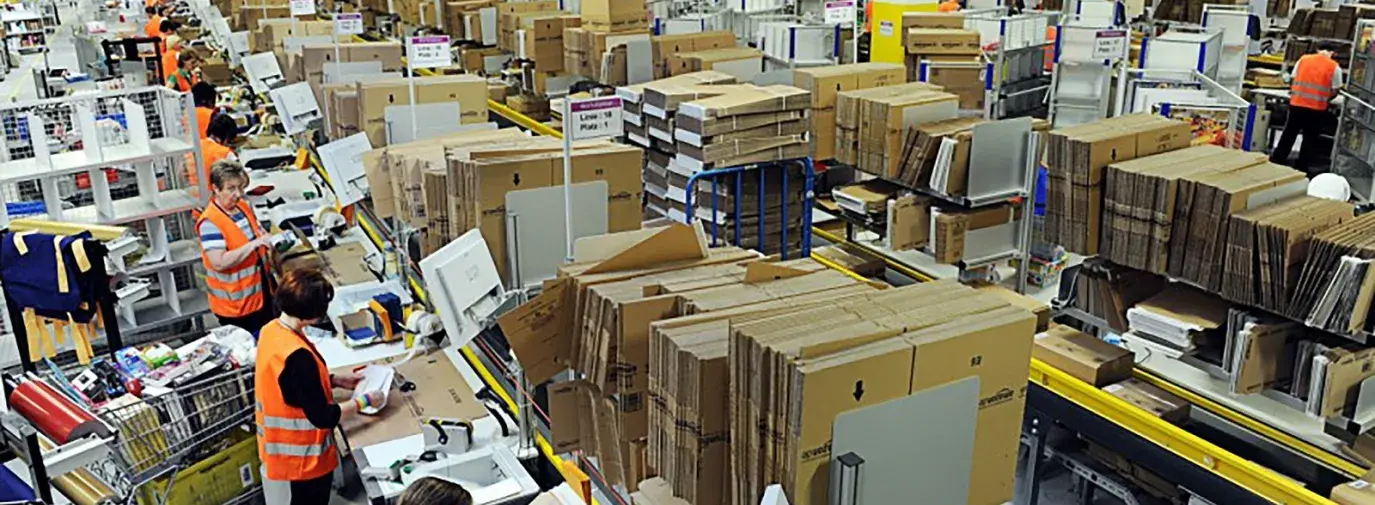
(1312, 86)
(237, 291)
(949, 6)
(181, 81)
(169, 62)
(211, 152)
(203, 116)
(154, 27)
(291, 448)
(1049, 54)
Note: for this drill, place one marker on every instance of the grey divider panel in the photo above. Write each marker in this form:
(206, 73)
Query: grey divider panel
(997, 159)
(398, 120)
(535, 229)
(916, 449)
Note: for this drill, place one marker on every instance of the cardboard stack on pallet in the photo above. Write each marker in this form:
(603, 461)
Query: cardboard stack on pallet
(1076, 159)
(742, 125)
(872, 123)
(791, 374)
(922, 152)
(597, 50)
(374, 97)
(825, 83)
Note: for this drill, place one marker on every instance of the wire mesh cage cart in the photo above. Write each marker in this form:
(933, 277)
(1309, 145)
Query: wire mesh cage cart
(200, 426)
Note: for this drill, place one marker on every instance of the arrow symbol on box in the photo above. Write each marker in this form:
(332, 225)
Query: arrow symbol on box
(859, 390)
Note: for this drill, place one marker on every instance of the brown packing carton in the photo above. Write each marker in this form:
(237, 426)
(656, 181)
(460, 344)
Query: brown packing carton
(1356, 492)
(1041, 310)
(947, 20)
(910, 222)
(951, 226)
(879, 118)
(215, 70)
(1083, 356)
(967, 82)
(374, 97)
(700, 60)
(665, 46)
(547, 54)
(825, 82)
(615, 15)
(747, 99)
(942, 41)
(719, 151)
(1147, 397)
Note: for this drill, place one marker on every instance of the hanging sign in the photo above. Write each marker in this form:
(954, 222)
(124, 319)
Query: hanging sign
(429, 52)
(302, 7)
(1109, 44)
(348, 23)
(594, 118)
(840, 11)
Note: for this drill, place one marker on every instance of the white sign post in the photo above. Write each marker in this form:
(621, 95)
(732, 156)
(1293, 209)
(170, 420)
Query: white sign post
(345, 24)
(300, 8)
(583, 119)
(1110, 44)
(425, 52)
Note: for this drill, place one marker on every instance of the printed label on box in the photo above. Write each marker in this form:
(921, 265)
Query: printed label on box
(429, 52)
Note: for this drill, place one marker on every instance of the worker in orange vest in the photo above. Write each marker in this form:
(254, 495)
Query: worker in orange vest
(238, 279)
(215, 146)
(171, 50)
(153, 27)
(949, 6)
(204, 96)
(186, 73)
(1313, 85)
(296, 414)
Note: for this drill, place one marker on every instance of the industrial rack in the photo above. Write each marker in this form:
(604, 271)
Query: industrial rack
(1353, 151)
(128, 157)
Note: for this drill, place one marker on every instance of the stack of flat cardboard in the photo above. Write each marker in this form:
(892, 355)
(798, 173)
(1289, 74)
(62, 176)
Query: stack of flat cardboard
(469, 91)
(741, 125)
(825, 83)
(396, 178)
(1179, 317)
(457, 16)
(598, 54)
(1330, 292)
(640, 114)
(1205, 205)
(1106, 291)
(923, 147)
(724, 58)
(791, 374)
(596, 318)
(272, 33)
(665, 46)
(946, 45)
(1267, 247)
(1076, 159)
(871, 123)
(615, 15)
(1139, 198)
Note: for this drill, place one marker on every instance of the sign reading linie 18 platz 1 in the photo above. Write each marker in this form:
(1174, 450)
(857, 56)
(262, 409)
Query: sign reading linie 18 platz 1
(592, 118)
(429, 52)
(348, 23)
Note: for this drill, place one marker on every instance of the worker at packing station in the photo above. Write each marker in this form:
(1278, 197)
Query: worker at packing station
(203, 95)
(166, 28)
(1313, 85)
(219, 136)
(171, 51)
(187, 72)
(238, 277)
(296, 414)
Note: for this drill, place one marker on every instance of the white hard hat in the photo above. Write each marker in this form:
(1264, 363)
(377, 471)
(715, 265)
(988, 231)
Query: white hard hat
(1330, 186)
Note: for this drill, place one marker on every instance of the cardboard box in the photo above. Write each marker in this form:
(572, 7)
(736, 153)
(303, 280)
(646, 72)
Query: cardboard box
(1083, 356)
(697, 61)
(1357, 492)
(1147, 397)
(946, 20)
(614, 15)
(215, 70)
(665, 46)
(873, 122)
(374, 97)
(942, 41)
(826, 82)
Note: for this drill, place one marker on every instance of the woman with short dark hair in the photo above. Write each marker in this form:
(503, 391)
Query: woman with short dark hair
(435, 491)
(296, 413)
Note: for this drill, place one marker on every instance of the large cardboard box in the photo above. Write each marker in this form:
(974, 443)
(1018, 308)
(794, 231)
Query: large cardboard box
(1148, 397)
(374, 97)
(825, 83)
(874, 123)
(1083, 356)
(1356, 492)
(665, 46)
(697, 61)
(614, 15)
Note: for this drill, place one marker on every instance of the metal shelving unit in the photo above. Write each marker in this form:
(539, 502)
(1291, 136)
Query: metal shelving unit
(127, 158)
(1353, 151)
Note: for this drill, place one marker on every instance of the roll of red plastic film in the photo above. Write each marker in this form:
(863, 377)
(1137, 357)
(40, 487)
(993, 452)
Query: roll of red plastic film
(52, 413)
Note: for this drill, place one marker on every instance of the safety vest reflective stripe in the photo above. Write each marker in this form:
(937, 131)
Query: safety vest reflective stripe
(1311, 88)
(284, 423)
(1305, 94)
(279, 449)
(233, 277)
(235, 296)
(1317, 87)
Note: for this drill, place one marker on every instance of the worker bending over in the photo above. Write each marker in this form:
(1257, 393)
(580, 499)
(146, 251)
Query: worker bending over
(296, 414)
(205, 98)
(1314, 83)
(186, 74)
(238, 278)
